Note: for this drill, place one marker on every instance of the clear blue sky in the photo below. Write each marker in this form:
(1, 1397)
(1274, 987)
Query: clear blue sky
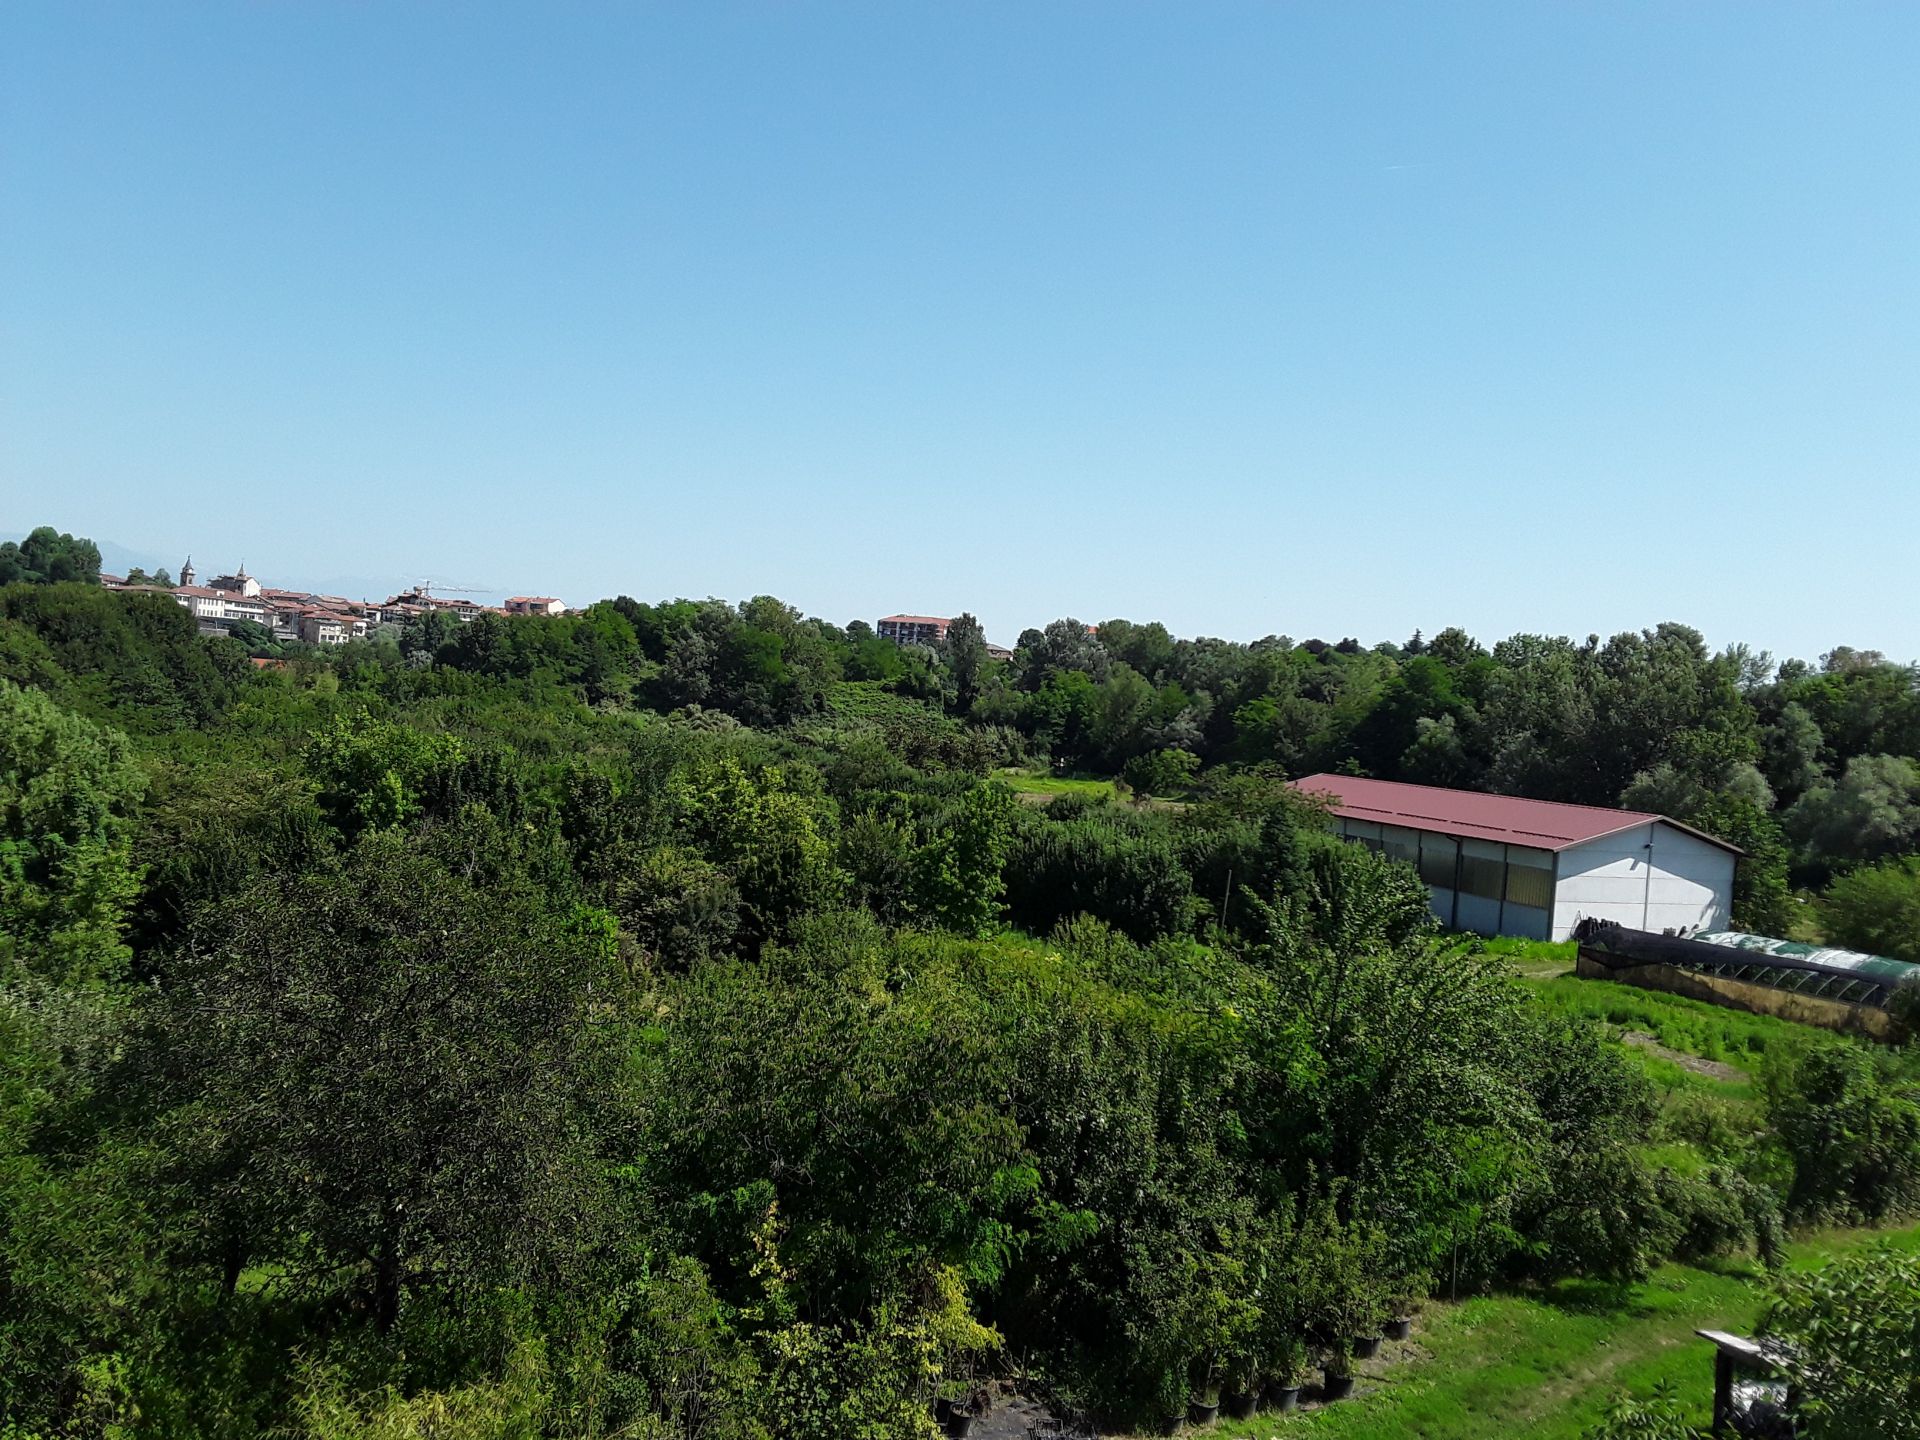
(1324, 319)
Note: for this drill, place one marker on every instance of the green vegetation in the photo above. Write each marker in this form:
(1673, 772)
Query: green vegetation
(1050, 785)
(1547, 1366)
(664, 1021)
(1877, 909)
(1711, 1032)
(47, 557)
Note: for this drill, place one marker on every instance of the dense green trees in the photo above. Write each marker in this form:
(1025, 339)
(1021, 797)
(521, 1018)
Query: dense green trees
(1877, 910)
(68, 790)
(657, 1021)
(47, 557)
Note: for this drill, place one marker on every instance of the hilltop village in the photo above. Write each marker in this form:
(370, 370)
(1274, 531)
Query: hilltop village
(303, 615)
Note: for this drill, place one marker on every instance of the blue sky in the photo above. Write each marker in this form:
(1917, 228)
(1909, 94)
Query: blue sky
(1319, 319)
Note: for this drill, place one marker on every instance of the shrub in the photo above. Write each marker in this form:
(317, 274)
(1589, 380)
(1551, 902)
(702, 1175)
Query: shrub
(1853, 1332)
(1131, 879)
(1851, 1125)
(1876, 909)
(1659, 1418)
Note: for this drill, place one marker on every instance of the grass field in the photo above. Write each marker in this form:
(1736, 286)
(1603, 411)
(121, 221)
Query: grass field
(1051, 785)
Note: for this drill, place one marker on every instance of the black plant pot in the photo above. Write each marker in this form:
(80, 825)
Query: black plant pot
(1203, 1412)
(1397, 1328)
(1283, 1398)
(1365, 1347)
(1170, 1424)
(1336, 1387)
(959, 1423)
(942, 1409)
(1241, 1405)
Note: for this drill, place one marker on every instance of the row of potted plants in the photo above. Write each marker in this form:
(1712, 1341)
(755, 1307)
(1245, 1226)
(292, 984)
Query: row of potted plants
(1241, 1393)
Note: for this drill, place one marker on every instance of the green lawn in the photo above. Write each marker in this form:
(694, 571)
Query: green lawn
(1051, 785)
(1545, 1366)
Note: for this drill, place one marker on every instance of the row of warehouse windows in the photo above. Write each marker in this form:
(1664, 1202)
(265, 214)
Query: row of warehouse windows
(1514, 874)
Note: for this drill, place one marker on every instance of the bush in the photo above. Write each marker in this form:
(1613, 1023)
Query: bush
(1721, 1212)
(1161, 772)
(1853, 1331)
(1131, 879)
(1876, 909)
(1904, 1006)
(1660, 1418)
(1851, 1125)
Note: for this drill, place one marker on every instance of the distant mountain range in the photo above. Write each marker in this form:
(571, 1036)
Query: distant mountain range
(114, 559)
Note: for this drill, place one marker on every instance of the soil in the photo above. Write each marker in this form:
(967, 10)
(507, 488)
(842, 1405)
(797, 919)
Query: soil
(1712, 1069)
(1014, 1417)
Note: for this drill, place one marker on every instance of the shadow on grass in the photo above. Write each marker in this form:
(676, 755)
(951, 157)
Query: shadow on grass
(1591, 1296)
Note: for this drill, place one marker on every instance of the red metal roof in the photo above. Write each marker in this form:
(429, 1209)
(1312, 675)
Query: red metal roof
(1542, 824)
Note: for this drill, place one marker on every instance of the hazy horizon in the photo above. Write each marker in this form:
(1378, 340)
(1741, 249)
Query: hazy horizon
(116, 556)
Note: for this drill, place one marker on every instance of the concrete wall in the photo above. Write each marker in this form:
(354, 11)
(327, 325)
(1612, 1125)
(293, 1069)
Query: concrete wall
(1652, 877)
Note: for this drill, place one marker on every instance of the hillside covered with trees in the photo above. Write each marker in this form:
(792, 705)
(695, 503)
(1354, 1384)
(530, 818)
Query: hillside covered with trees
(664, 1020)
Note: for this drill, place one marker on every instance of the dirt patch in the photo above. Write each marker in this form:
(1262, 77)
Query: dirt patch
(1712, 1069)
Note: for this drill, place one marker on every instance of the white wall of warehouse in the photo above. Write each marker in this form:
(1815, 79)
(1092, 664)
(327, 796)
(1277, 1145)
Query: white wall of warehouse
(1652, 877)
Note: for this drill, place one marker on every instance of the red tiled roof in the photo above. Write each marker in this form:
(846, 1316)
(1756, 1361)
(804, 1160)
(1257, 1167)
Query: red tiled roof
(916, 620)
(1542, 824)
(533, 600)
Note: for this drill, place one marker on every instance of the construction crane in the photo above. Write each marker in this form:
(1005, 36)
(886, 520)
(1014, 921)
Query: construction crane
(427, 587)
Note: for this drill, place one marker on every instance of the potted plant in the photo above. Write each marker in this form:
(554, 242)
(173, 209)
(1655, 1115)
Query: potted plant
(1400, 1305)
(1170, 1403)
(1337, 1379)
(1287, 1368)
(1240, 1387)
(1203, 1408)
(964, 1410)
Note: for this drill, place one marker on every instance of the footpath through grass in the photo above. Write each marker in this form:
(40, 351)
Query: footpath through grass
(1546, 1366)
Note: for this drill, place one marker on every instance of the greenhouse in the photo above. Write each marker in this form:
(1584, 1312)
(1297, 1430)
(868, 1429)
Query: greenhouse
(1846, 976)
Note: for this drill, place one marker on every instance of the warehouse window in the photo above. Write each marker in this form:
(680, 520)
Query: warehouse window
(1437, 860)
(1482, 877)
(1527, 885)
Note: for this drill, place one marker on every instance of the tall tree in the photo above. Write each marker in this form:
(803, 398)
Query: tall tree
(68, 789)
(385, 1071)
(966, 658)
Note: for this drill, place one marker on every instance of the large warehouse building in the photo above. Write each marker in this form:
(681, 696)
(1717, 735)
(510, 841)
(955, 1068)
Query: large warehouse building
(1500, 865)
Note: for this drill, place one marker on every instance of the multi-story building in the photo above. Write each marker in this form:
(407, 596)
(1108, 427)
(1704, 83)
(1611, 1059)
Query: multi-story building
(534, 605)
(400, 608)
(216, 610)
(914, 629)
(326, 627)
